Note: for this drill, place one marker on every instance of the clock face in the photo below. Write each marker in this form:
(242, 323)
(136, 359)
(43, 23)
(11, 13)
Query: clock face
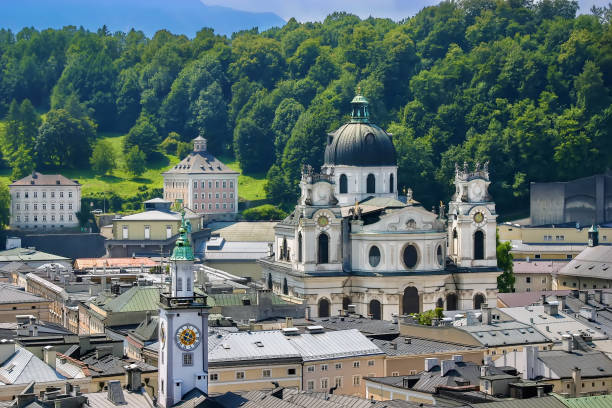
(187, 337)
(478, 217)
(322, 221)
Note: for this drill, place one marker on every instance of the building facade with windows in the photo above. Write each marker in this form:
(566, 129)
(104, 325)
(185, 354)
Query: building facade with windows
(202, 183)
(44, 201)
(350, 241)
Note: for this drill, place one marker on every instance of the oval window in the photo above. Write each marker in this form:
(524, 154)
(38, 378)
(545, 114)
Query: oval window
(410, 256)
(374, 256)
(439, 255)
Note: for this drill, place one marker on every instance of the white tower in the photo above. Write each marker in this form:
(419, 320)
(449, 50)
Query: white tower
(183, 330)
(472, 224)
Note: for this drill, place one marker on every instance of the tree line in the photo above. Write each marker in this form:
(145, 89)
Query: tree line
(523, 84)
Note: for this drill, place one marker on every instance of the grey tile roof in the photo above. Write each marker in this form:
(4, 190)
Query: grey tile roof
(417, 346)
(39, 179)
(520, 299)
(8, 294)
(110, 364)
(593, 262)
(28, 255)
(200, 163)
(546, 267)
(463, 371)
(23, 367)
(16, 266)
(592, 364)
(366, 326)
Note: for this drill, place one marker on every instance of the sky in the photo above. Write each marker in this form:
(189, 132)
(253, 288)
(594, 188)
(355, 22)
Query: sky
(317, 10)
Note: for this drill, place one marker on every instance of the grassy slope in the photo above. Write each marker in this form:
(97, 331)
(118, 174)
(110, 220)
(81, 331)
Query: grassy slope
(125, 185)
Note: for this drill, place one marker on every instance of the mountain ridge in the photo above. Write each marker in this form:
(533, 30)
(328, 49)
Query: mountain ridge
(179, 16)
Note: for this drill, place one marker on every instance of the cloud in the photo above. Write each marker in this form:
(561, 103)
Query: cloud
(317, 10)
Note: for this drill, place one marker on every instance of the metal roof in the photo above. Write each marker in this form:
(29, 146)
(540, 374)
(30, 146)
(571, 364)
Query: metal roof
(417, 346)
(255, 345)
(23, 367)
(132, 399)
(28, 255)
(520, 299)
(333, 344)
(136, 299)
(236, 299)
(553, 327)
(595, 401)
(238, 251)
(593, 364)
(542, 402)
(360, 144)
(504, 333)
(364, 325)
(244, 231)
(593, 262)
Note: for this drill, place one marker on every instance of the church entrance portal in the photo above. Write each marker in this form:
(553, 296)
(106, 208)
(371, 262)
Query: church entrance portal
(323, 308)
(410, 301)
(451, 301)
(375, 310)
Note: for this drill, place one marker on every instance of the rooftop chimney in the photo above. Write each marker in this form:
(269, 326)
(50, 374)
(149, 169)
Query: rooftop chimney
(50, 356)
(288, 321)
(568, 343)
(430, 363)
(115, 393)
(577, 382)
(486, 313)
(540, 391)
(446, 366)
(551, 308)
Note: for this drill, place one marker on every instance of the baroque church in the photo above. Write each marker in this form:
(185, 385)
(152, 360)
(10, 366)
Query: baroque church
(350, 241)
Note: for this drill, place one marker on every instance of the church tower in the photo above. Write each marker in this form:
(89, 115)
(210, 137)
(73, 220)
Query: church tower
(183, 330)
(472, 224)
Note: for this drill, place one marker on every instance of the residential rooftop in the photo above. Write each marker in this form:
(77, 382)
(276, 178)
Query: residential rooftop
(39, 179)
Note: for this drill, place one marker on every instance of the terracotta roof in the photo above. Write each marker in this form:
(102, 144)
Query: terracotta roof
(38, 179)
(90, 263)
(200, 163)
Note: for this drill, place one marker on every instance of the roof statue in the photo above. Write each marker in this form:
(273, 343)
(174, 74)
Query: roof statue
(182, 250)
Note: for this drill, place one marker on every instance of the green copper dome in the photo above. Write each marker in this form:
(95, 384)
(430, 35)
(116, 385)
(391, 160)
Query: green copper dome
(182, 249)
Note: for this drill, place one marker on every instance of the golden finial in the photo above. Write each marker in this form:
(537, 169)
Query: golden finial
(358, 89)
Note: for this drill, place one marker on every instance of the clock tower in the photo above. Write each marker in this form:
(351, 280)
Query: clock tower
(183, 330)
(472, 224)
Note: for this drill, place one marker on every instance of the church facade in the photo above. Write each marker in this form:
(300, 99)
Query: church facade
(350, 241)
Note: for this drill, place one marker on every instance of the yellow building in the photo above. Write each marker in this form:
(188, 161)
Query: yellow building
(535, 276)
(14, 302)
(590, 270)
(152, 231)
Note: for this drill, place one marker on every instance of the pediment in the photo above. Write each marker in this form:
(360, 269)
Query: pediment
(408, 219)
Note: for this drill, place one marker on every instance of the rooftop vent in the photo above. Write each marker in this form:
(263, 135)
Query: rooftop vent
(314, 329)
(259, 344)
(291, 331)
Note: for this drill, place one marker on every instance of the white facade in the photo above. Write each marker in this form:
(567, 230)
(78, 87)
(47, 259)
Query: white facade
(44, 202)
(350, 241)
(183, 332)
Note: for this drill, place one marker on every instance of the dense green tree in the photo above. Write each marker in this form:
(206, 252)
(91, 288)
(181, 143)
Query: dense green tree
(266, 212)
(252, 146)
(63, 141)
(5, 205)
(505, 281)
(183, 149)
(102, 158)
(135, 161)
(143, 135)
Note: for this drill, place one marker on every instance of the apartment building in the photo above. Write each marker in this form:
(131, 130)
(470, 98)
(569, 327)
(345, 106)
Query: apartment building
(44, 201)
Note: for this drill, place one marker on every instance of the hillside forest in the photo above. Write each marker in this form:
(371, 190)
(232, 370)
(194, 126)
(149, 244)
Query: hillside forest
(525, 85)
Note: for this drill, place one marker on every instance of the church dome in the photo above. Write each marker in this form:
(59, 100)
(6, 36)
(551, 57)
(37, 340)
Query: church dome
(359, 142)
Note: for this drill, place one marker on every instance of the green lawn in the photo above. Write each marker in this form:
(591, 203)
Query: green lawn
(250, 188)
(125, 185)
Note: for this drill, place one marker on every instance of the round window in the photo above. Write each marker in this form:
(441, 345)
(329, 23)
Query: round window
(439, 255)
(410, 256)
(374, 256)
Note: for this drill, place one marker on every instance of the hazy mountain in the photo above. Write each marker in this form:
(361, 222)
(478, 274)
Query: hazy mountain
(178, 16)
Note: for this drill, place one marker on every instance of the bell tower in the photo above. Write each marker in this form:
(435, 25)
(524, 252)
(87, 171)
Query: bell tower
(472, 220)
(183, 330)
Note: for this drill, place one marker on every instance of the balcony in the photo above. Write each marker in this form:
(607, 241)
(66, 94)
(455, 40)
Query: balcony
(167, 300)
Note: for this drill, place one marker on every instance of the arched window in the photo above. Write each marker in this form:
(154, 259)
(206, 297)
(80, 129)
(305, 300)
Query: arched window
(285, 287)
(455, 240)
(410, 256)
(375, 310)
(479, 245)
(391, 183)
(374, 256)
(179, 283)
(479, 299)
(410, 300)
(451, 301)
(299, 247)
(323, 250)
(371, 184)
(323, 308)
(440, 255)
(188, 285)
(270, 281)
(284, 249)
(440, 303)
(343, 184)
